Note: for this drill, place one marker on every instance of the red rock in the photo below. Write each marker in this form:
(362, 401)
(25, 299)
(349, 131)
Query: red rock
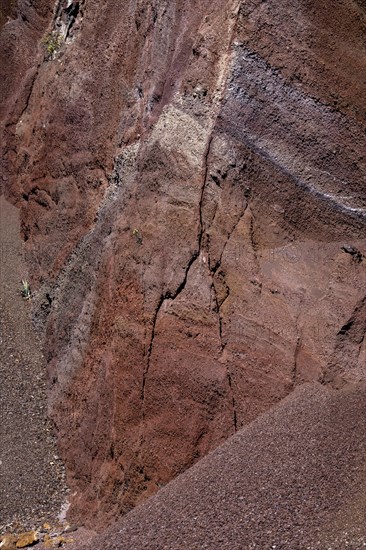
(231, 136)
(294, 477)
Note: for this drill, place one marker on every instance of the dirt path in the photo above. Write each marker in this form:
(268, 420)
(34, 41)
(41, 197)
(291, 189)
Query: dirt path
(31, 475)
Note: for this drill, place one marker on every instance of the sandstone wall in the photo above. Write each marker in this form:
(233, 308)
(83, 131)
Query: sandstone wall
(191, 179)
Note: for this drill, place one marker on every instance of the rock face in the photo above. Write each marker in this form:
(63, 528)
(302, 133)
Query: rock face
(190, 175)
(294, 478)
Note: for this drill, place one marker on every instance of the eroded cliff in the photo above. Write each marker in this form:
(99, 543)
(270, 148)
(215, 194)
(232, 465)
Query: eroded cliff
(191, 179)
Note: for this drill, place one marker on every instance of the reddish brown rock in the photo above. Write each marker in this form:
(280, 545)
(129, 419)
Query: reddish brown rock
(188, 174)
(294, 478)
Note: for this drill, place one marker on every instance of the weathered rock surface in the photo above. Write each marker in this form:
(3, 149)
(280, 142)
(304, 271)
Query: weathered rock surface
(188, 174)
(294, 478)
(27, 539)
(23, 540)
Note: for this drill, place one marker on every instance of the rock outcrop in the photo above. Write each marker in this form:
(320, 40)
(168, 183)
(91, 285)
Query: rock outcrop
(189, 175)
(294, 478)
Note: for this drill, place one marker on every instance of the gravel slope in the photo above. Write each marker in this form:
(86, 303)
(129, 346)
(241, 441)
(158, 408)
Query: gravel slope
(294, 479)
(31, 475)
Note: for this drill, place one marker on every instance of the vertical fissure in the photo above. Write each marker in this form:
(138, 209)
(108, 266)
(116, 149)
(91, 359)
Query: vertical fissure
(235, 418)
(298, 346)
(173, 295)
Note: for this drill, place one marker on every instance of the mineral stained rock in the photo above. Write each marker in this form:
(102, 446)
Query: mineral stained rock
(188, 174)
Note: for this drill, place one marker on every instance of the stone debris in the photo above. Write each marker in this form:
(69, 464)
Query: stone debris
(55, 542)
(355, 253)
(8, 542)
(27, 539)
(46, 537)
(32, 489)
(293, 479)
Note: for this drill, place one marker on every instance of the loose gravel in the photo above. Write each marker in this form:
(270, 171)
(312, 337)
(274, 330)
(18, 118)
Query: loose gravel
(32, 486)
(294, 479)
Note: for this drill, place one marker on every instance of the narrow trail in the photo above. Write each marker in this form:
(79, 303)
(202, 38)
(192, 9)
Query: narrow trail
(32, 487)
